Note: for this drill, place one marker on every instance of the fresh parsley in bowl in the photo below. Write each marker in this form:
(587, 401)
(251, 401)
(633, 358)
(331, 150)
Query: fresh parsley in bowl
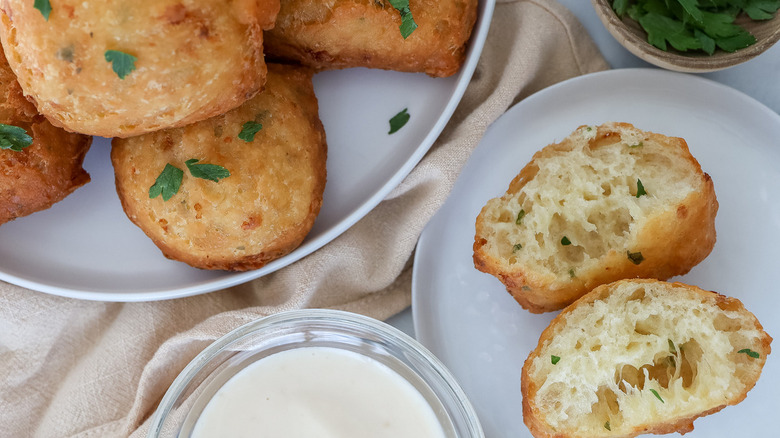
(692, 35)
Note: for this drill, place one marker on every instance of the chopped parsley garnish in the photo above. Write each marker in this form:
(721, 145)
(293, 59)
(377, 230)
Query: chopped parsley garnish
(640, 189)
(44, 6)
(635, 257)
(516, 247)
(671, 347)
(14, 138)
(248, 131)
(565, 241)
(398, 121)
(750, 353)
(554, 359)
(167, 184)
(407, 21)
(572, 274)
(655, 393)
(520, 216)
(211, 172)
(694, 24)
(638, 145)
(606, 426)
(122, 63)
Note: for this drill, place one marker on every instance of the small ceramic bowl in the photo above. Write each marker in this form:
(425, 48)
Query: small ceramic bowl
(192, 390)
(631, 35)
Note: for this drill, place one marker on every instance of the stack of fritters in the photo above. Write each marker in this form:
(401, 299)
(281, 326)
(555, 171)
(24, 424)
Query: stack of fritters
(217, 175)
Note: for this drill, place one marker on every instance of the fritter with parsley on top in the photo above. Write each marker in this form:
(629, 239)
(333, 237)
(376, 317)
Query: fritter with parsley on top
(427, 36)
(236, 191)
(39, 163)
(118, 68)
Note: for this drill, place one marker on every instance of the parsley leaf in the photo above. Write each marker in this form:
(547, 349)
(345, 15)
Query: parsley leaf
(516, 247)
(761, 9)
(121, 62)
(750, 353)
(606, 426)
(167, 183)
(407, 20)
(655, 393)
(14, 138)
(640, 189)
(520, 216)
(211, 172)
(554, 359)
(248, 131)
(565, 241)
(635, 257)
(661, 29)
(44, 6)
(398, 121)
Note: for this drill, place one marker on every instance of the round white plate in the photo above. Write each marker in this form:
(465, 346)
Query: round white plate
(477, 329)
(85, 247)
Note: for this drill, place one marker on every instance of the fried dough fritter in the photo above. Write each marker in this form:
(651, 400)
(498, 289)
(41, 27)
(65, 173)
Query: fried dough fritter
(43, 173)
(336, 34)
(193, 60)
(267, 205)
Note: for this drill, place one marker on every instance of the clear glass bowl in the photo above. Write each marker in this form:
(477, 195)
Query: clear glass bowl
(199, 381)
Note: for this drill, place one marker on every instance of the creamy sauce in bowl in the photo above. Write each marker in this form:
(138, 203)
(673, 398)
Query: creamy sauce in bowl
(318, 392)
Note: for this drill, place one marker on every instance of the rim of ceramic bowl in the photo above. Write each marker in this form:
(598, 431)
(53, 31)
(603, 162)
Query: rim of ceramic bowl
(325, 319)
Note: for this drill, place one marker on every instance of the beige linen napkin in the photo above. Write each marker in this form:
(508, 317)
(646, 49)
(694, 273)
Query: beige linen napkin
(94, 369)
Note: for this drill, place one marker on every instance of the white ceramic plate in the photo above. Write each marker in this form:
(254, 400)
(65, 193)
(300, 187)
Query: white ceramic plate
(476, 328)
(85, 247)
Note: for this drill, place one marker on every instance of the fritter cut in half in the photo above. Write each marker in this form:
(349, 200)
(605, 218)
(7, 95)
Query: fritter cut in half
(236, 191)
(116, 68)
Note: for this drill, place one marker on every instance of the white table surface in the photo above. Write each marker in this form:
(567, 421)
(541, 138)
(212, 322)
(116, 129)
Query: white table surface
(758, 78)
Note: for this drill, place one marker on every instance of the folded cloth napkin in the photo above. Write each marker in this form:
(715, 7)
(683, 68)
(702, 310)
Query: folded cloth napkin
(95, 369)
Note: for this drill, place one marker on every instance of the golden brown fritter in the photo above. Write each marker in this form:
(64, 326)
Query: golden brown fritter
(46, 171)
(335, 34)
(193, 60)
(267, 205)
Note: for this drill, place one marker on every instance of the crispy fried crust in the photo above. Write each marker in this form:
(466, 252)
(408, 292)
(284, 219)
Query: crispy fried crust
(195, 59)
(365, 33)
(673, 235)
(267, 205)
(632, 323)
(46, 171)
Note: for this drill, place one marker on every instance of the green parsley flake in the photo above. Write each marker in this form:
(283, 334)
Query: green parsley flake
(635, 257)
(572, 274)
(122, 63)
(565, 241)
(655, 393)
(671, 347)
(520, 216)
(14, 138)
(44, 6)
(167, 184)
(554, 359)
(248, 131)
(517, 247)
(640, 189)
(638, 145)
(211, 172)
(606, 426)
(750, 353)
(398, 121)
(407, 20)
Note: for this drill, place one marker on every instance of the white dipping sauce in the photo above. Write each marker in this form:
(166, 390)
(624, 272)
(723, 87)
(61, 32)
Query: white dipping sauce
(317, 392)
